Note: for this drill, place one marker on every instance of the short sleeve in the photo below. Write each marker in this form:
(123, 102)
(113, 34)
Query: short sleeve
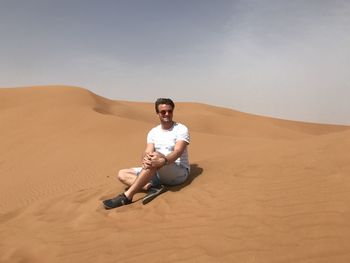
(150, 136)
(183, 134)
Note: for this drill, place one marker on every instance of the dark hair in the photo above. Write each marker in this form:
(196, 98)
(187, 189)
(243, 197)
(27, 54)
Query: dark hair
(164, 101)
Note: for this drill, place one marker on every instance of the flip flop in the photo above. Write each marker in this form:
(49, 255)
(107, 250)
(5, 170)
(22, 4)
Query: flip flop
(152, 193)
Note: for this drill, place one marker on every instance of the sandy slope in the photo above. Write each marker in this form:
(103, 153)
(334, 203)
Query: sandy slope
(261, 189)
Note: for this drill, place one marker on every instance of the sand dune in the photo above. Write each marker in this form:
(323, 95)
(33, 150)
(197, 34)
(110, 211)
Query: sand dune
(261, 189)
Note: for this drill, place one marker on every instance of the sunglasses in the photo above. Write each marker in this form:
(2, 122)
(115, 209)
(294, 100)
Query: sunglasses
(163, 112)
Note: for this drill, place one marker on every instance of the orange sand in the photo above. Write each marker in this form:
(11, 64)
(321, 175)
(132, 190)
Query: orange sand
(261, 189)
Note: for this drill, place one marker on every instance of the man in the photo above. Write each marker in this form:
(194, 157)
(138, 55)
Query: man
(165, 160)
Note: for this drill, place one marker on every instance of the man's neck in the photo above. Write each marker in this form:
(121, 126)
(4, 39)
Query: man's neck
(167, 125)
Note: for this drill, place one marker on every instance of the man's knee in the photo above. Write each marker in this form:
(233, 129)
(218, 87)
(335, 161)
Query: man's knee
(121, 176)
(125, 175)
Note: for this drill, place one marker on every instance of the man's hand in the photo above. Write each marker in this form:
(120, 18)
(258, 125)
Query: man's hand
(153, 160)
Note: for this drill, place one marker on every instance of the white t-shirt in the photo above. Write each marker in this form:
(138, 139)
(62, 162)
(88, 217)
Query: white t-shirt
(164, 141)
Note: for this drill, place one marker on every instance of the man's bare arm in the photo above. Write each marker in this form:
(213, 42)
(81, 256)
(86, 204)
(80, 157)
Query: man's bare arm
(147, 155)
(149, 149)
(179, 148)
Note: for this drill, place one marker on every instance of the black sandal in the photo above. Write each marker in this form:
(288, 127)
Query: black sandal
(117, 201)
(152, 193)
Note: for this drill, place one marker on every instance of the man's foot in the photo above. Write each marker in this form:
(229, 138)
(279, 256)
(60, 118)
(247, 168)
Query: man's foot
(117, 201)
(152, 193)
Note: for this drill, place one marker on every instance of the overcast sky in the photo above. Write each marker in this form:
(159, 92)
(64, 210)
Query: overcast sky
(281, 58)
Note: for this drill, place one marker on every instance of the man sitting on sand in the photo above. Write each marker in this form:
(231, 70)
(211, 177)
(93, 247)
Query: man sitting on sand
(165, 160)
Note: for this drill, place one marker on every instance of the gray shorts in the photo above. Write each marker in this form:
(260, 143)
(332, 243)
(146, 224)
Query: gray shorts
(171, 174)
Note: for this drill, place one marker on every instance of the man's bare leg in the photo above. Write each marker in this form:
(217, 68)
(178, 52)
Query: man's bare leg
(142, 180)
(128, 177)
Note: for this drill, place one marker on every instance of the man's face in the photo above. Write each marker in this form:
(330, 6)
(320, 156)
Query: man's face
(165, 113)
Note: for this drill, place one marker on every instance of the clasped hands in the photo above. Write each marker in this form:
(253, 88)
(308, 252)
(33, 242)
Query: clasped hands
(153, 160)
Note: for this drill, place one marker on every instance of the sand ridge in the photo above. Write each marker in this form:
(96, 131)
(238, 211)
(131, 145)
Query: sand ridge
(261, 189)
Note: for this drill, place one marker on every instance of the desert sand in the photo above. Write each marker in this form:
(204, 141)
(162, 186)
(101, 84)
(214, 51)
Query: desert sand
(261, 189)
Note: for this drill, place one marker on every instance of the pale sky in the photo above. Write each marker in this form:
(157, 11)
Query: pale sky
(279, 58)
